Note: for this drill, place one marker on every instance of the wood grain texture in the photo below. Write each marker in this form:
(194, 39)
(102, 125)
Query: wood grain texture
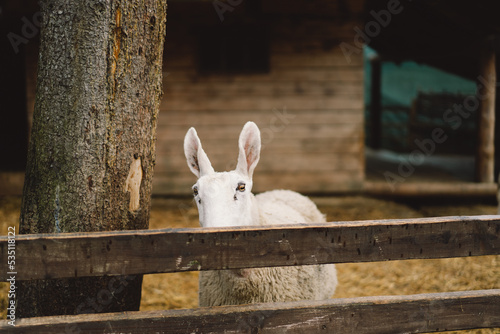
(455, 189)
(174, 250)
(94, 126)
(365, 315)
(343, 181)
(486, 94)
(309, 107)
(309, 74)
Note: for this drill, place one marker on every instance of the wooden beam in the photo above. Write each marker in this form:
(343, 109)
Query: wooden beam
(46, 256)
(371, 315)
(455, 189)
(376, 103)
(485, 154)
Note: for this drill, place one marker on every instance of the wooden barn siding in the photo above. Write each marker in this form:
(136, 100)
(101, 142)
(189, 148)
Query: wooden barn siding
(319, 150)
(316, 147)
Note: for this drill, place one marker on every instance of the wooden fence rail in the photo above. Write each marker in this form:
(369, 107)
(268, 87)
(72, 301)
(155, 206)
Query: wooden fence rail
(173, 250)
(365, 315)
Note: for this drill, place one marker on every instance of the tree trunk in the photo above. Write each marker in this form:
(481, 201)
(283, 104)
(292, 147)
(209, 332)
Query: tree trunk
(92, 149)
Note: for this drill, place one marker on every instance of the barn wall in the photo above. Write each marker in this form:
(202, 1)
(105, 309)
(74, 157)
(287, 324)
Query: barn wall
(309, 108)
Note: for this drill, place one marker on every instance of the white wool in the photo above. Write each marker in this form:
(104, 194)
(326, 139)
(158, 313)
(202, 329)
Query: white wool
(225, 199)
(263, 285)
(272, 284)
(287, 207)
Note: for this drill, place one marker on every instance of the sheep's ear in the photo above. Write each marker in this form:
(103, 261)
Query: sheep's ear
(197, 159)
(249, 145)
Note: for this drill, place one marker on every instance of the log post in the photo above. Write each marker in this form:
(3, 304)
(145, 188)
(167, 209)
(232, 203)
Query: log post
(376, 104)
(486, 86)
(92, 148)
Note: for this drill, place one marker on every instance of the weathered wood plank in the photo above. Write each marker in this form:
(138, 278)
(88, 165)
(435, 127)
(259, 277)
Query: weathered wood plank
(284, 145)
(48, 256)
(306, 162)
(292, 102)
(285, 53)
(339, 73)
(340, 181)
(309, 76)
(311, 42)
(283, 59)
(320, 131)
(485, 150)
(370, 315)
(267, 90)
(430, 188)
(270, 118)
(179, 183)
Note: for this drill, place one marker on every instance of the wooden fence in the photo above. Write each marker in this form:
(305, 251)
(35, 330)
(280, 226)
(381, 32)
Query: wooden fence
(44, 256)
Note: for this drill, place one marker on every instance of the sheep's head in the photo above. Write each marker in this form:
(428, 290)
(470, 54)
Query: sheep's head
(225, 198)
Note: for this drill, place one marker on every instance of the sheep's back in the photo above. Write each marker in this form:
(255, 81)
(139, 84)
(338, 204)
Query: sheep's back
(272, 284)
(287, 207)
(265, 285)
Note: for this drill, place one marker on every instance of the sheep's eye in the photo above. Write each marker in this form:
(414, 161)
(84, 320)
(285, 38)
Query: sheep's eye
(241, 187)
(195, 191)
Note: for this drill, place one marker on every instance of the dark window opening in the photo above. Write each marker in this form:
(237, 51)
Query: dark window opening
(235, 49)
(13, 121)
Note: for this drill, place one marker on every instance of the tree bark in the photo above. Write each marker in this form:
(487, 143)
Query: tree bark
(92, 149)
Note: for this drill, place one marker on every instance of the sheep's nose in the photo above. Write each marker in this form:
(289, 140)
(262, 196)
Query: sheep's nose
(241, 272)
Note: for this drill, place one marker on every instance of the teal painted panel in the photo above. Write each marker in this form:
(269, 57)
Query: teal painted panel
(401, 84)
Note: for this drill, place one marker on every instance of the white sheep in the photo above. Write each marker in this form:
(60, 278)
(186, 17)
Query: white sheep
(225, 199)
